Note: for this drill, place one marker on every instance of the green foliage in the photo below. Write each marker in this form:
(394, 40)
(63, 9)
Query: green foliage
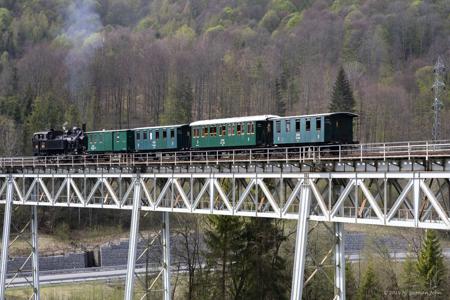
(5, 19)
(265, 275)
(185, 32)
(224, 245)
(409, 276)
(294, 19)
(281, 94)
(177, 107)
(62, 231)
(215, 29)
(424, 79)
(283, 7)
(369, 288)
(31, 27)
(11, 107)
(270, 21)
(340, 4)
(9, 133)
(350, 282)
(228, 13)
(46, 114)
(342, 98)
(430, 264)
(247, 259)
(147, 22)
(72, 116)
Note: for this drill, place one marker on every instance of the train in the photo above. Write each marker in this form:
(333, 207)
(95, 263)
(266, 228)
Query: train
(226, 133)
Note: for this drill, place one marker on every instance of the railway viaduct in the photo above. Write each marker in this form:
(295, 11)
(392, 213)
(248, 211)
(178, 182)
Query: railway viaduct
(403, 184)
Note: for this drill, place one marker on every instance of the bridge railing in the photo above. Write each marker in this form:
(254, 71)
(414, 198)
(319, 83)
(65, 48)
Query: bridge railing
(336, 153)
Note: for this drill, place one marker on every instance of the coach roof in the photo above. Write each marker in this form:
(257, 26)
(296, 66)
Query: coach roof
(233, 120)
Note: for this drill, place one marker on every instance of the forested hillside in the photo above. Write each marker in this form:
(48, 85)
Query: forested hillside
(123, 63)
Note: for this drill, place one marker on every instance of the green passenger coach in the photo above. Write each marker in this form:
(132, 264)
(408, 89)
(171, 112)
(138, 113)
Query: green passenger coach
(314, 129)
(162, 138)
(232, 132)
(110, 141)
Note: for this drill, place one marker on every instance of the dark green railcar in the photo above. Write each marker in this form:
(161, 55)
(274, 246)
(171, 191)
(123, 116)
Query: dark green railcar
(106, 141)
(328, 128)
(232, 132)
(172, 137)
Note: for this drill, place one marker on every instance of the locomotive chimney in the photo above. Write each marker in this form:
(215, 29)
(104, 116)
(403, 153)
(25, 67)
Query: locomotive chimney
(83, 127)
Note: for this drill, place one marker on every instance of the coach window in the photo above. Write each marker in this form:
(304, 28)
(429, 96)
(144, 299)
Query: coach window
(150, 133)
(138, 135)
(223, 130)
(308, 125)
(144, 135)
(238, 129)
(288, 125)
(172, 133)
(278, 126)
(213, 131)
(297, 125)
(318, 124)
(157, 135)
(205, 132)
(230, 129)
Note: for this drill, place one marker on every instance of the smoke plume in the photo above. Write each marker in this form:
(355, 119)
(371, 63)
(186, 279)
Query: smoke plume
(82, 30)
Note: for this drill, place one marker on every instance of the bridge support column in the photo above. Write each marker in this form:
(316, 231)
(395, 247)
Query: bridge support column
(35, 253)
(339, 275)
(300, 243)
(132, 246)
(166, 255)
(5, 239)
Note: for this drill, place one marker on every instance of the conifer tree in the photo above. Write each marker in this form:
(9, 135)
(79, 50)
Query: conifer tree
(369, 287)
(409, 275)
(430, 265)
(350, 282)
(224, 243)
(265, 274)
(342, 98)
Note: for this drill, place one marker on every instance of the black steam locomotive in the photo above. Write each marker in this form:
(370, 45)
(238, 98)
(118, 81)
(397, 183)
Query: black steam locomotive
(52, 142)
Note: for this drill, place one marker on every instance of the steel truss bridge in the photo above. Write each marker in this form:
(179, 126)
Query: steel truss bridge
(398, 184)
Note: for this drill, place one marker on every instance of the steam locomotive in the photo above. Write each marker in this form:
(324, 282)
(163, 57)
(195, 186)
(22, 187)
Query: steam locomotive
(56, 142)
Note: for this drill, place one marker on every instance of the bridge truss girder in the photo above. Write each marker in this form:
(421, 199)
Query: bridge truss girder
(405, 199)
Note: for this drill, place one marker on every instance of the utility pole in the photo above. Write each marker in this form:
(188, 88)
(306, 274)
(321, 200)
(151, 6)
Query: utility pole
(438, 88)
